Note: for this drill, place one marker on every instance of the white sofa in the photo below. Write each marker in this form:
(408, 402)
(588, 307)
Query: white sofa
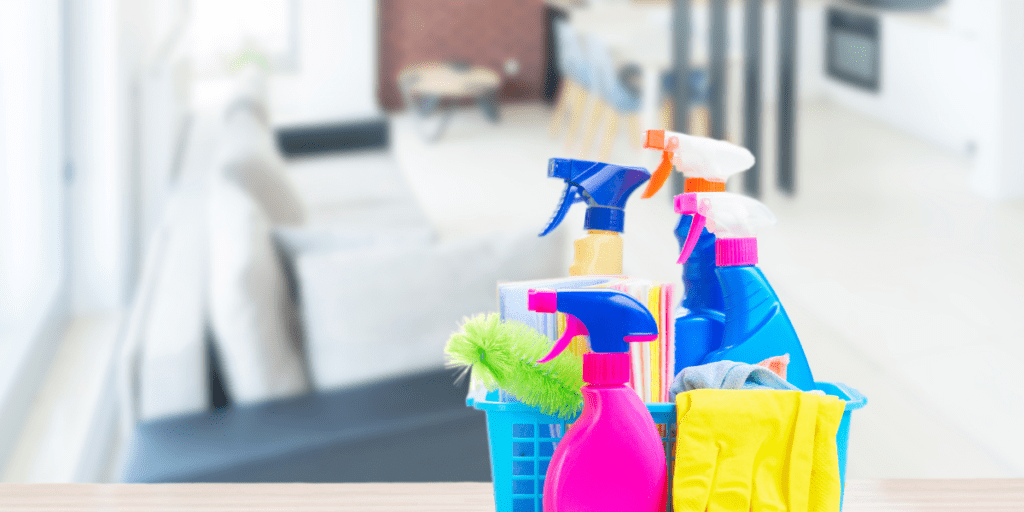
(388, 309)
(377, 292)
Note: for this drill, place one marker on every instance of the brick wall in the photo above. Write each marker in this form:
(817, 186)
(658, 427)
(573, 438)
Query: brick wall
(480, 32)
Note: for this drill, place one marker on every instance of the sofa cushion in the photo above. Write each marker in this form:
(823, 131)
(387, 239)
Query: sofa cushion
(255, 337)
(172, 356)
(249, 157)
(295, 241)
(384, 311)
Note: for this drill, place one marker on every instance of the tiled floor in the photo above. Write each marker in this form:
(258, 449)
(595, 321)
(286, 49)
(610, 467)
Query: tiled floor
(900, 281)
(888, 255)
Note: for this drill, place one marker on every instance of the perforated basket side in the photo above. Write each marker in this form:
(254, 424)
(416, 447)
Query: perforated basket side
(522, 441)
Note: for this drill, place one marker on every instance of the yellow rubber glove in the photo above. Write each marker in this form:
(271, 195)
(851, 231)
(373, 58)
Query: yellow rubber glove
(826, 487)
(739, 450)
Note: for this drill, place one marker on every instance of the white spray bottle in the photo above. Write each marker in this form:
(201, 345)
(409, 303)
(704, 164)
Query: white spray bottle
(706, 164)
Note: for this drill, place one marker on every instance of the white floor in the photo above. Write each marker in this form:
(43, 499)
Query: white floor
(900, 281)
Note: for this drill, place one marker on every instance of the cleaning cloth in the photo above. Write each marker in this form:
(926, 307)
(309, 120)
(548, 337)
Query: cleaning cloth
(727, 375)
(756, 450)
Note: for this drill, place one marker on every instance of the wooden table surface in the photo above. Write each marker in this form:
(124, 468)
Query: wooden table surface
(861, 495)
(447, 80)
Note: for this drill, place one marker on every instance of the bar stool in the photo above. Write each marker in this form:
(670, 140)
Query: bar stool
(614, 99)
(578, 81)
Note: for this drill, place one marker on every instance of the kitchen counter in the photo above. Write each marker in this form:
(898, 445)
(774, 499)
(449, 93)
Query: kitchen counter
(874, 495)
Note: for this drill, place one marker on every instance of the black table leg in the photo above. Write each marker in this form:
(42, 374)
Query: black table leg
(718, 49)
(752, 93)
(681, 69)
(785, 173)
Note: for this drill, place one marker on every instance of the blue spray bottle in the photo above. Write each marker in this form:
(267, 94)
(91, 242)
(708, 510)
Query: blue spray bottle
(605, 188)
(756, 325)
(707, 164)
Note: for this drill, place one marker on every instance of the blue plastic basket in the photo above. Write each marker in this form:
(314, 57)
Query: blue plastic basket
(522, 441)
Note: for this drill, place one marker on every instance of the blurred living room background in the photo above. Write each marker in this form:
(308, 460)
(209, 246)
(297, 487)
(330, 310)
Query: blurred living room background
(236, 234)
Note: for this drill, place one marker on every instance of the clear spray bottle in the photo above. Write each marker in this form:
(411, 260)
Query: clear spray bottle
(707, 164)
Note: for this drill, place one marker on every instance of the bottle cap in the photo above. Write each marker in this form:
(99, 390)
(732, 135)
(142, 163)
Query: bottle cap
(730, 252)
(703, 185)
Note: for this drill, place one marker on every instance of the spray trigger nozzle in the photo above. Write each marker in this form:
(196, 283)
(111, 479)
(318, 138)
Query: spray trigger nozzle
(616, 318)
(696, 157)
(688, 204)
(546, 301)
(573, 328)
(725, 214)
(570, 196)
(656, 139)
(604, 187)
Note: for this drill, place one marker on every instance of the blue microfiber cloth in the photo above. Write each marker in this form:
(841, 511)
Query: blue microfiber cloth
(727, 375)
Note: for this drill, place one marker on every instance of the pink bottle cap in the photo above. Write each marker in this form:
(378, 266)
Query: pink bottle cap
(542, 300)
(604, 369)
(686, 204)
(730, 252)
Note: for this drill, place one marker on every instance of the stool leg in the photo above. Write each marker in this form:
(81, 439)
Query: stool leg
(489, 105)
(561, 108)
(699, 121)
(665, 115)
(582, 100)
(590, 136)
(611, 130)
(634, 131)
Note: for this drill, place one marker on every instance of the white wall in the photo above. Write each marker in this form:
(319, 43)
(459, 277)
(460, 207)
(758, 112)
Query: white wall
(110, 40)
(32, 302)
(101, 155)
(924, 88)
(163, 108)
(953, 77)
(997, 103)
(335, 77)
(31, 156)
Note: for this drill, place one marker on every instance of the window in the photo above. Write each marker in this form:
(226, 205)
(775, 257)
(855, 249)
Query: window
(227, 34)
(31, 159)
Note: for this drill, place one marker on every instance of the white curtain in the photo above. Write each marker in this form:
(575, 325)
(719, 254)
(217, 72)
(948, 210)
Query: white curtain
(31, 157)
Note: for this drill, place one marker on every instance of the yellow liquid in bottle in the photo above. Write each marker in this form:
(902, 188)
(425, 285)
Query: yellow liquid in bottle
(598, 253)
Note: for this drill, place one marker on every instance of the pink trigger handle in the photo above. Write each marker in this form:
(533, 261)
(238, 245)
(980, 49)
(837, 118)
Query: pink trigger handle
(545, 301)
(686, 204)
(573, 328)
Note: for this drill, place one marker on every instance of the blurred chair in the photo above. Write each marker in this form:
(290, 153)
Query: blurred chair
(700, 91)
(615, 100)
(619, 96)
(578, 82)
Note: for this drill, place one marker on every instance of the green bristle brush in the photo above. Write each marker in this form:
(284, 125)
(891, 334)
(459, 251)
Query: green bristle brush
(504, 354)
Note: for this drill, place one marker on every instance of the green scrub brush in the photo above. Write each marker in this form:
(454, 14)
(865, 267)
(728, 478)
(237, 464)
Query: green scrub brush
(504, 354)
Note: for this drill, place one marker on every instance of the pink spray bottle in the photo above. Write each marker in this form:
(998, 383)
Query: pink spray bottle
(611, 458)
